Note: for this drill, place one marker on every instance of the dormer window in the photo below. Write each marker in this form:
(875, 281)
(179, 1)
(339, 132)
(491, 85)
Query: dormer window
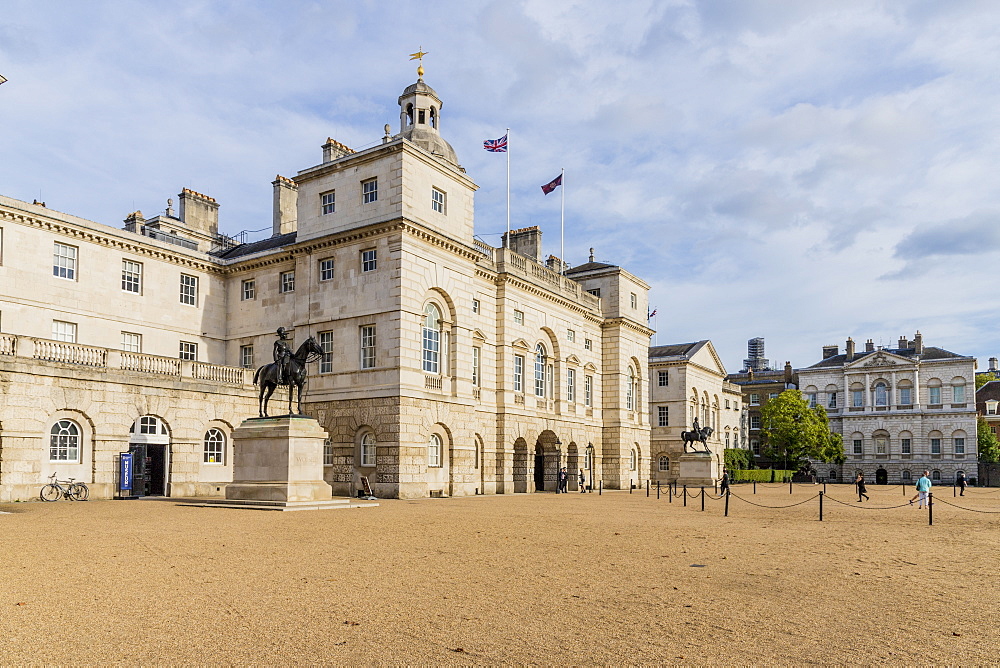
(991, 407)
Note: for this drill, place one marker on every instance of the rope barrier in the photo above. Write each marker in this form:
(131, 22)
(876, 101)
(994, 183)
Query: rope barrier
(971, 510)
(862, 507)
(760, 505)
(976, 492)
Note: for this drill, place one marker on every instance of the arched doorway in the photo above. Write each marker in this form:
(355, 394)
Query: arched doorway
(520, 467)
(149, 443)
(881, 476)
(573, 466)
(539, 468)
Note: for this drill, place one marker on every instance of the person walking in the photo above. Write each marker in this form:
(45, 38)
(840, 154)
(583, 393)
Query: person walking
(923, 489)
(961, 483)
(724, 484)
(583, 479)
(859, 482)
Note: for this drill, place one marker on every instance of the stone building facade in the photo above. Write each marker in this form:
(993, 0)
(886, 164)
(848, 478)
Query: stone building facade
(757, 388)
(450, 367)
(900, 410)
(689, 380)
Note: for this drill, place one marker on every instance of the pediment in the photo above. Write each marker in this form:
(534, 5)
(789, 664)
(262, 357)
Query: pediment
(707, 357)
(879, 359)
(521, 343)
(478, 335)
(589, 367)
(573, 359)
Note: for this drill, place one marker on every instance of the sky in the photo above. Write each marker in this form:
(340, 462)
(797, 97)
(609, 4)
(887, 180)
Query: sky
(801, 171)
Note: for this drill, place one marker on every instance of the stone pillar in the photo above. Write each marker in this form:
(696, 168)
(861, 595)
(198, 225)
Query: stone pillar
(697, 469)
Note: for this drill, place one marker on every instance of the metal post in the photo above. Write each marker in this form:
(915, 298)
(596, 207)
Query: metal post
(821, 506)
(702, 499)
(647, 488)
(789, 485)
(685, 496)
(657, 489)
(670, 493)
(630, 485)
(600, 488)
(930, 508)
(954, 489)
(824, 485)
(727, 503)
(754, 486)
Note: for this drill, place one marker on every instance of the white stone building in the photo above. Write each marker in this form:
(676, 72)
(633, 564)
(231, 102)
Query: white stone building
(451, 367)
(900, 410)
(689, 380)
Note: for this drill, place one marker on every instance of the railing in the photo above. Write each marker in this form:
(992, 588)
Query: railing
(8, 344)
(167, 366)
(476, 393)
(234, 375)
(432, 382)
(70, 353)
(519, 399)
(484, 248)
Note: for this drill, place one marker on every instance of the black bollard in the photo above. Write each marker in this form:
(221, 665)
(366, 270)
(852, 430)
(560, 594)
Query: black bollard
(824, 485)
(647, 488)
(727, 503)
(702, 499)
(657, 489)
(954, 489)
(600, 488)
(754, 486)
(821, 506)
(630, 485)
(789, 485)
(930, 508)
(685, 496)
(670, 493)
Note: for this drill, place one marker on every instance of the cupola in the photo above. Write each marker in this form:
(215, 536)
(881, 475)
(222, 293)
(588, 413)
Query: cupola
(420, 119)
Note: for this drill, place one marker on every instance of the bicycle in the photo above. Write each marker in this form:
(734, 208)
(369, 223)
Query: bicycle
(59, 489)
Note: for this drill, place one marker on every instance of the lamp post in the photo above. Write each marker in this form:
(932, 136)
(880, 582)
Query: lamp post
(590, 463)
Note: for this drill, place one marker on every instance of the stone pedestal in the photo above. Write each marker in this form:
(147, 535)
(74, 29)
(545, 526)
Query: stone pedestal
(697, 469)
(278, 460)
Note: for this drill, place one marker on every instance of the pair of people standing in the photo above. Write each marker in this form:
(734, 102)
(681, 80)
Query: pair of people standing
(563, 486)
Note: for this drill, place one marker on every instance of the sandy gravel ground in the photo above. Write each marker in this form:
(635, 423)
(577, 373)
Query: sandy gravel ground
(527, 579)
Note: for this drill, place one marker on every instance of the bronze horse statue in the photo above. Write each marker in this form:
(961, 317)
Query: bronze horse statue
(267, 375)
(697, 436)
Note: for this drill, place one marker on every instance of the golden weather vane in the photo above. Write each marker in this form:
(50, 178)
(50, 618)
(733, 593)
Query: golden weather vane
(419, 55)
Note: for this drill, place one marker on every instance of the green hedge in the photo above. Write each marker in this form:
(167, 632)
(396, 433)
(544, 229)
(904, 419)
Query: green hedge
(761, 475)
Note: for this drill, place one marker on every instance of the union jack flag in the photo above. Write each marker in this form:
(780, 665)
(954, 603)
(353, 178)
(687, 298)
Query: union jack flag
(496, 145)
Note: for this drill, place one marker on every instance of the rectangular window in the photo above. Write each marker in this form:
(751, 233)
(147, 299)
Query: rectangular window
(189, 351)
(437, 200)
(327, 452)
(477, 354)
(518, 317)
(958, 394)
(831, 401)
(935, 446)
(64, 331)
(727, 404)
(755, 446)
(64, 261)
(662, 378)
(935, 395)
(131, 343)
(811, 398)
(595, 291)
(857, 446)
(368, 260)
(588, 391)
(475, 306)
(326, 269)
(905, 398)
(519, 373)
(633, 300)
(246, 356)
(328, 201)
(369, 191)
(727, 439)
(189, 290)
(857, 398)
(588, 344)
(960, 446)
(248, 290)
(570, 335)
(755, 399)
(326, 343)
(881, 445)
(904, 446)
(755, 422)
(663, 416)
(368, 346)
(368, 451)
(772, 395)
(132, 276)
(287, 281)
(570, 385)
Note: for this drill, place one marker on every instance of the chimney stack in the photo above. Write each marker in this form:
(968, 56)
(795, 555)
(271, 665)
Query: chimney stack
(332, 150)
(903, 343)
(199, 212)
(788, 375)
(526, 241)
(555, 264)
(830, 351)
(993, 364)
(284, 208)
(850, 349)
(869, 346)
(918, 343)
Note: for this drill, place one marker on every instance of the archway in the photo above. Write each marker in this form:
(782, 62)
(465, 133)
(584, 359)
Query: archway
(539, 468)
(149, 443)
(520, 466)
(881, 476)
(573, 466)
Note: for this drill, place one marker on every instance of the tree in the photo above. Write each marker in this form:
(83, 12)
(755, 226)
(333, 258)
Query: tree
(797, 433)
(986, 441)
(737, 459)
(983, 378)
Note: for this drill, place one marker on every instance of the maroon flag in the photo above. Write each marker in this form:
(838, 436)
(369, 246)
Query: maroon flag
(552, 185)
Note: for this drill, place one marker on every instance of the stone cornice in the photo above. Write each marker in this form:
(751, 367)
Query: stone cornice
(628, 324)
(500, 278)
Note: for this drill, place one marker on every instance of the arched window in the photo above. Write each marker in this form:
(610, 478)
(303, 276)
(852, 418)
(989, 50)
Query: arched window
(432, 339)
(540, 370)
(833, 474)
(409, 114)
(368, 450)
(630, 391)
(906, 475)
(434, 122)
(664, 463)
(64, 442)
(214, 451)
(881, 394)
(434, 451)
(633, 462)
(936, 475)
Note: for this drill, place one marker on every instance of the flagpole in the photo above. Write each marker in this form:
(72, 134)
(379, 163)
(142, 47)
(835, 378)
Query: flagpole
(507, 242)
(562, 222)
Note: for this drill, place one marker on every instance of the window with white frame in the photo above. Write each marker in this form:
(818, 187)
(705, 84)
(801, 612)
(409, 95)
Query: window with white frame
(369, 191)
(595, 291)
(858, 446)
(246, 356)
(991, 407)
(132, 276)
(248, 290)
(64, 261)
(755, 399)
(369, 260)
(727, 439)
(571, 385)
(755, 446)
(959, 444)
(662, 378)
(326, 343)
(518, 317)
(519, 373)
(368, 450)
(630, 391)
(664, 464)
(189, 351)
(540, 358)
(934, 392)
(131, 342)
(327, 452)
(431, 339)
(904, 446)
(64, 331)
(588, 344)
(727, 404)
(588, 391)
(831, 399)
(633, 460)
(328, 202)
(881, 394)
(857, 398)
(755, 422)
(936, 475)
(905, 396)
(214, 451)
(189, 290)
(633, 300)
(367, 346)
(570, 335)
(150, 424)
(434, 451)
(64, 442)
(287, 281)
(326, 269)
(438, 200)
(811, 398)
(477, 354)
(550, 390)
(663, 416)
(881, 445)
(935, 446)
(906, 475)
(772, 395)
(475, 306)
(958, 393)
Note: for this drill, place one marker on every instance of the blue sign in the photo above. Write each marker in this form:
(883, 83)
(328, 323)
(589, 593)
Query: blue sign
(125, 472)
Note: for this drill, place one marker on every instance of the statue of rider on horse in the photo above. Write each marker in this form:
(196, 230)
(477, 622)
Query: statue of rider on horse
(288, 369)
(696, 435)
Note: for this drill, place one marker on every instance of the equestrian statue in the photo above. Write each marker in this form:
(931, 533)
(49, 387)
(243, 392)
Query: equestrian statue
(288, 369)
(696, 435)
